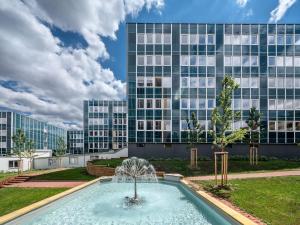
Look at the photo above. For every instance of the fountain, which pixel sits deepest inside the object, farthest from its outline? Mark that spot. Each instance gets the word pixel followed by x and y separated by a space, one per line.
pixel 133 170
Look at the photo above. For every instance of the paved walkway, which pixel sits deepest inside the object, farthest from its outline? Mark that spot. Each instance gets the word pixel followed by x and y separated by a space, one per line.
pixel 48 184
pixel 281 173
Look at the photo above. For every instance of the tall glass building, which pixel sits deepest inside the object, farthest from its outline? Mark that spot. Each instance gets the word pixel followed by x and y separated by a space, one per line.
pixel 43 134
pixel 176 69
pixel 105 125
pixel 75 142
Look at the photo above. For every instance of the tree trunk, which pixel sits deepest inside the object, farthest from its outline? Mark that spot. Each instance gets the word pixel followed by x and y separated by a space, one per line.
pixel 135 192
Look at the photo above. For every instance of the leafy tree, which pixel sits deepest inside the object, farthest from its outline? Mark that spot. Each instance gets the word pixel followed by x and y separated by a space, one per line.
pixel 60 150
pixel 253 123
pixel 223 115
pixel 195 133
pixel 19 140
pixel 29 152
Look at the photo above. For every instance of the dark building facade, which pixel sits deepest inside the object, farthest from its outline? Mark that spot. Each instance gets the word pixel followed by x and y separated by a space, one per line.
pixel 75 142
pixel 105 125
pixel 176 69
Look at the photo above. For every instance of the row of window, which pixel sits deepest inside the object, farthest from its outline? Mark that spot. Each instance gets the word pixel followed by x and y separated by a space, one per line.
pixel 3 145
pixel 241 39
pixel 165 82
pixel 98 145
pixel 284 61
pixel 284 82
pixel 197 39
pixel 75 136
pixel 245 104
pixel 197 60
pixel 119 133
pixel 98 133
pixel 284 39
pixel 150 103
pixel 150 38
pixel 120 121
pixel 241 61
pixel 198 82
pixel 98 121
pixel 284 104
pixel 284 125
pixel 154 60
pixel 3 132
pixel 247 82
pixel 194 103
pixel 160 125
pixel 100 109
pixel 3 120
pixel 119 109
pixel 76 145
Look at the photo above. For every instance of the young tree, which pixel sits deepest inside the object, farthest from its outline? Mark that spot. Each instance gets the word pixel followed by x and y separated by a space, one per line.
pixel 195 133
pixel 221 121
pixel 253 123
pixel 60 150
pixel 29 152
pixel 19 140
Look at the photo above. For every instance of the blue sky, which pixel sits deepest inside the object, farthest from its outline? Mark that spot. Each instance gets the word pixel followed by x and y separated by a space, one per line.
pixel 198 11
pixel 56 53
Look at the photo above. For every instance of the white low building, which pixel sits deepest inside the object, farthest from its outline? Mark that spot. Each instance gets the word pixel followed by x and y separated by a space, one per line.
pixel 11 164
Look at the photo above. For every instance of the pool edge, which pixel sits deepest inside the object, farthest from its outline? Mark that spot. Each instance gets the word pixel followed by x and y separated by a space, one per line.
pixel 20 212
pixel 221 206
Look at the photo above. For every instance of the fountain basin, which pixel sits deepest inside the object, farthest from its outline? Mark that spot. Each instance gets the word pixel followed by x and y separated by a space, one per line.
pixel 103 203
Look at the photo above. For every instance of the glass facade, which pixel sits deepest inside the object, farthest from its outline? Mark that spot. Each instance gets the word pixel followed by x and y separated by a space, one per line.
pixel 176 69
pixel 44 135
pixel 105 125
pixel 75 141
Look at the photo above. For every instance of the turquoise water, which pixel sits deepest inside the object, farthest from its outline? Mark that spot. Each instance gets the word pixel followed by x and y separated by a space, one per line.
pixel 103 204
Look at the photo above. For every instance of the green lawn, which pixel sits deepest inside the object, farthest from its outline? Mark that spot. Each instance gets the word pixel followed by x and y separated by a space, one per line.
pixel 3 176
pixel 206 167
pixel 16 198
pixel 274 200
pixel 69 174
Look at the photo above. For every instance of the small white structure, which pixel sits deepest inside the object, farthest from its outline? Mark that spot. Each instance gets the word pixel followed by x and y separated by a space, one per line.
pixel 70 161
pixel 173 177
pixel 11 164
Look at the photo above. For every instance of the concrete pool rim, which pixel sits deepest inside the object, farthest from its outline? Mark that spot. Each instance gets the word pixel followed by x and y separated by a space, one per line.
pixel 201 194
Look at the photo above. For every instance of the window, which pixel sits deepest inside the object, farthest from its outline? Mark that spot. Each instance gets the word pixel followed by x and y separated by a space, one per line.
pixel 297 82
pixel 184 82
pixel 280 104
pixel 227 39
pixel 280 39
pixel 202 40
pixel 280 61
pixel 158 103
pixel 245 82
pixel 211 60
pixel 246 104
pixel 140 81
pixel 149 104
pixel 193 103
pixel 202 82
pixel 141 125
pixel 236 39
pixel 167 38
pixel 272 61
pixel 158 38
pixel 272 125
pixel 184 60
pixel 289 82
pixel 141 60
pixel 12 164
pixel 149 38
pixel 193 39
pixel 227 61
pixel 297 61
pixel 52 162
pixel 272 104
pixel 184 125
pixel 280 82
pixel 272 82
pixel 297 39
pixel 167 60
pixel 193 60
pixel 166 103
pixel 211 82
pixel 288 61
pixel 184 103
pixel 255 103
pixel 149 82
pixel 254 39
pixel 167 125
pixel 166 82
pixel 184 39
pixel 158 60
pixel 210 39
pixel 210 103
pixel 202 60
pixel 237 104
pixel 193 82
pixel 271 39
pixel 281 125
pixel 254 60
pixel 289 39
pixel 245 40
pixel 158 82
pixel 157 125
pixel 202 104
pixel 297 126
pixel 140 39
pixel 149 125
pixel 254 82
pixel 289 104
pixel 149 60
pixel 246 60
pixel 236 61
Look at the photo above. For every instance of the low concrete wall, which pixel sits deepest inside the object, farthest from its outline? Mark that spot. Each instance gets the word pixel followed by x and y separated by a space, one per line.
pixel 98 170
pixel 288 151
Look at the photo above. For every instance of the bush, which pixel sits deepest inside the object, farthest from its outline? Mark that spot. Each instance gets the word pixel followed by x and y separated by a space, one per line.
pixel 219 190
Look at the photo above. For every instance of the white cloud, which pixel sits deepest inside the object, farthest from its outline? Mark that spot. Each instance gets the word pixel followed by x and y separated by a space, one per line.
pixel 54 75
pixel 241 3
pixel 280 10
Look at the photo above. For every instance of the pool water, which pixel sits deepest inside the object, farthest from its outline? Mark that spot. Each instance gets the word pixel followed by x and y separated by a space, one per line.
pixel 164 203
